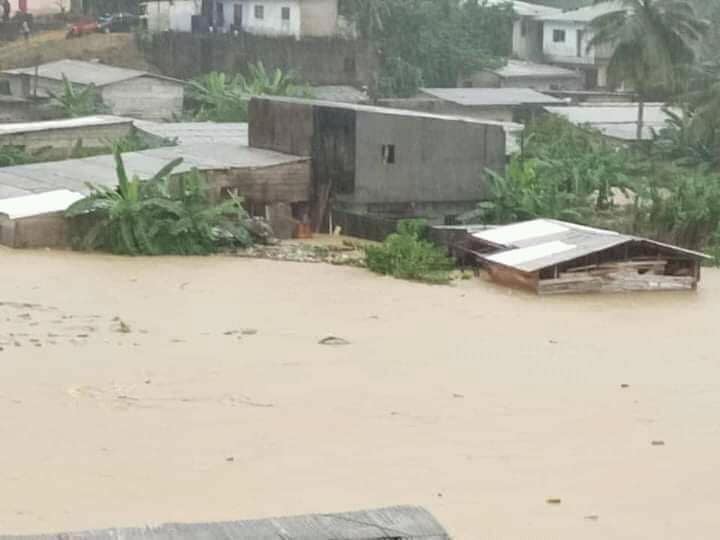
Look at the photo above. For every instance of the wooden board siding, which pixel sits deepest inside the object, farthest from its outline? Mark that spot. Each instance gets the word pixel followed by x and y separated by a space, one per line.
pixel 288 182
pixel 513 278
pixel 617 283
pixel 282 127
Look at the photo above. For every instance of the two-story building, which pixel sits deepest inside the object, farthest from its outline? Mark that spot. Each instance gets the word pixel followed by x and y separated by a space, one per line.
pixel 298 18
pixel 566 37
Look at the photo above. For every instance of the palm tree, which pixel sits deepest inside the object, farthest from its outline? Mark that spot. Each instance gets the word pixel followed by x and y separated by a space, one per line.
pixel 651 40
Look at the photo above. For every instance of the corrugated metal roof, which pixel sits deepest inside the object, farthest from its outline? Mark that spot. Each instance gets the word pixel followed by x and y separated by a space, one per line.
pixel 616 120
pixel 73 174
pixel 519 69
pixel 69 123
pixel 85 73
pixel 339 93
pixel 533 245
pixel 38 204
pixel 584 14
pixel 525 9
pixel 492 97
pixel 197 132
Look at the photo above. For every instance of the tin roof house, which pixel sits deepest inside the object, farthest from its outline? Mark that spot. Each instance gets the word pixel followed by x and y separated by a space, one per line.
pixel 126 92
pixel 555 257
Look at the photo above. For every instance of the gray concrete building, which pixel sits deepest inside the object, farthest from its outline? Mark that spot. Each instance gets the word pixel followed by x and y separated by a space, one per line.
pixel 126 92
pixel 382 161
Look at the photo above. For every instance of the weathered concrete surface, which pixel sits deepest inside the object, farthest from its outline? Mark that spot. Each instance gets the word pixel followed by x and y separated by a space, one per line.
pixel 319 60
pixel 435 159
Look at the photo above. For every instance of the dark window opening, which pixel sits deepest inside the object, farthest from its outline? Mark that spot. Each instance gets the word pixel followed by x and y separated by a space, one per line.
pixel 286 14
pixel 524 27
pixel 559 36
pixel 259 12
pixel 238 16
pixel 388 153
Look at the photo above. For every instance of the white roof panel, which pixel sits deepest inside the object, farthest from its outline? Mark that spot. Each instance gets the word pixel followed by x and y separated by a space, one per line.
pixel 39 204
pixel 68 123
pixel 527 230
pixel 492 97
pixel 524 255
pixel 584 14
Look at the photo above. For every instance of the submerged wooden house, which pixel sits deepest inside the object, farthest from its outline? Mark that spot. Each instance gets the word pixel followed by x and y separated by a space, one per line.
pixel 555 257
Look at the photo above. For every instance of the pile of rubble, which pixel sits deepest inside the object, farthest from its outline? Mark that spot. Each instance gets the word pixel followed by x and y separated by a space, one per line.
pixel 345 253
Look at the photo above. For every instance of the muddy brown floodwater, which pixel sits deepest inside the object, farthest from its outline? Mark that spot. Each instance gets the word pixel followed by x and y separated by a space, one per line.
pixel 126 385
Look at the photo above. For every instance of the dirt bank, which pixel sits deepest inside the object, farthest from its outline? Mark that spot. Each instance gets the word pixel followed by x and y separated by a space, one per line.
pixel 114 49
pixel 127 384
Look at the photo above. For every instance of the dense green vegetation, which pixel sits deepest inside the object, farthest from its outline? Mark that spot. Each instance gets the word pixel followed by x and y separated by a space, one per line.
pixel 158 216
pixel 407 254
pixel 74 102
pixel 653 43
pixel 218 97
pixel 575 174
pixel 430 42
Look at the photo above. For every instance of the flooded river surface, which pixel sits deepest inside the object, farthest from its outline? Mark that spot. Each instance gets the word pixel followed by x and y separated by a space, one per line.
pixel 138 391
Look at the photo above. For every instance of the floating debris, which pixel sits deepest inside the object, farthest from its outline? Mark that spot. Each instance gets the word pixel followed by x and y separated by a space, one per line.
pixel 334 341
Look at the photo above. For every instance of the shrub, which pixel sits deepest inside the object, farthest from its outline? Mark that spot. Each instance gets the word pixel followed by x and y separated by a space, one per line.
pixel 406 254
pixel 74 102
pixel 157 217
pixel 217 97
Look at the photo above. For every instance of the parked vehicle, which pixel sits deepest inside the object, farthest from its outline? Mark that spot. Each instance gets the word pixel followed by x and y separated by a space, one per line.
pixel 118 22
pixel 82 27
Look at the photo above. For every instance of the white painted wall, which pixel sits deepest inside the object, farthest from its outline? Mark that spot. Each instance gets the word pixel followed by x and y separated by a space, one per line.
pixel 567 51
pixel 271 23
pixel 176 16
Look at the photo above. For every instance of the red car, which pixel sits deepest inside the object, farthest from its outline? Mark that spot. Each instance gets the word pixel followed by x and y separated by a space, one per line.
pixel 82 27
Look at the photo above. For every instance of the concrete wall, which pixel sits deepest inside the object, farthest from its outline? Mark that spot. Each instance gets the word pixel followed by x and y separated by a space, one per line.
pixel 92 136
pixel 319 61
pixel 272 22
pixel 286 183
pixel 319 17
pixel 436 160
pixel 567 52
pixel 528 39
pixel 148 98
pixel 40 231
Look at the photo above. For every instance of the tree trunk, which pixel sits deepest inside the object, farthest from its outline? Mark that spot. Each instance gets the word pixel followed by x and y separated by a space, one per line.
pixel 640 117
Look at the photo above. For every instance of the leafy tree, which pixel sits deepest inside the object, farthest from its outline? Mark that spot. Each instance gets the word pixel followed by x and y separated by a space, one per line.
pixel 432 42
pixel 75 102
pixel 218 97
pixel 651 40
pixel 156 216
